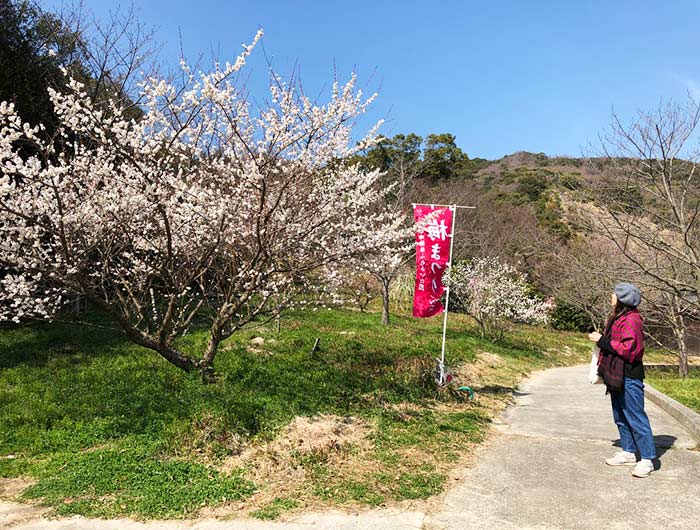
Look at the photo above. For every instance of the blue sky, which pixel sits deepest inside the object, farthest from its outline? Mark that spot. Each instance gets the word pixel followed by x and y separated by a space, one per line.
pixel 502 76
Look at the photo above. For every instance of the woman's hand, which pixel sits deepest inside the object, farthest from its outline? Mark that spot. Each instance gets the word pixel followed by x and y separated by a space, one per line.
pixel 594 337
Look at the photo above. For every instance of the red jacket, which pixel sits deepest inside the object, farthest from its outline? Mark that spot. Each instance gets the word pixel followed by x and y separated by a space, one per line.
pixel 622 349
pixel 626 336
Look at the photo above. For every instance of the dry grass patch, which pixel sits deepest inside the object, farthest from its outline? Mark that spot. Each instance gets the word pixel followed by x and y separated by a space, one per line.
pixel 279 466
pixel 487 369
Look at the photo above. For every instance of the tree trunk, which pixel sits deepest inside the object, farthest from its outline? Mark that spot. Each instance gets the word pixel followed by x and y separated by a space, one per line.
pixel 683 359
pixel 76 307
pixel 141 338
pixel 385 301
pixel 178 359
pixel 681 335
pixel 206 365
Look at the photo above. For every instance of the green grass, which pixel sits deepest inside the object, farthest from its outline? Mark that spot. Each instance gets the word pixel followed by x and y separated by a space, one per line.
pixel 104 428
pixel 275 508
pixel 130 474
pixel 686 391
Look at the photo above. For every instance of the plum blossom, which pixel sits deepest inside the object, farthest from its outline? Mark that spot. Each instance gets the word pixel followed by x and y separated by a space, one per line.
pixel 209 209
pixel 495 293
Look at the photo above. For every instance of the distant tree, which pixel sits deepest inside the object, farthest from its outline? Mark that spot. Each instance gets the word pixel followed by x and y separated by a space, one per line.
pixel 581 275
pixel 358 286
pixel 471 166
pixel 386 263
pixel 38 47
pixel 34 46
pixel 408 156
pixel 532 186
pixel 399 157
pixel 441 157
pixel 404 163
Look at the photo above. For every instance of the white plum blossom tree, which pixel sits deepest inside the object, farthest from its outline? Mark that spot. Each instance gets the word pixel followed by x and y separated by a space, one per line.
pixel 208 211
pixel 386 263
pixel 494 293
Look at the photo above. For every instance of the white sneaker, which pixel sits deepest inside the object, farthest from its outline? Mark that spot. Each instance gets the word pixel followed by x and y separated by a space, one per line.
pixel 622 458
pixel 643 468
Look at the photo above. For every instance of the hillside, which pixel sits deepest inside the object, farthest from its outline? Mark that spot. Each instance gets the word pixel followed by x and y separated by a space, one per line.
pixel 518 201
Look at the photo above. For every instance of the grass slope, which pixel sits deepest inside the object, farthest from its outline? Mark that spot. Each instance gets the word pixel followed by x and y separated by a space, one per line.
pixel 686 391
pixel 101 427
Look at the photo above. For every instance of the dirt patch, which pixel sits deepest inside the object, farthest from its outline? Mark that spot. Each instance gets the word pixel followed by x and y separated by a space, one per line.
pixel 469 374
pixel 276 465
pixel 563 351
pixel 10 488
pixel 477 373
pixel 14 512
pixel 318 435
pixel 489 359
pixel 255 345
pixel 321 435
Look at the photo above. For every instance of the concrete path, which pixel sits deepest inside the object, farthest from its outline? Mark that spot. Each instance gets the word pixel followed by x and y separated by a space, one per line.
pixel 543 471
pixel 546 470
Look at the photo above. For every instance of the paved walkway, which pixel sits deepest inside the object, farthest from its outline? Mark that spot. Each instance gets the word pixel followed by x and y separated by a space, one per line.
pixel 544 471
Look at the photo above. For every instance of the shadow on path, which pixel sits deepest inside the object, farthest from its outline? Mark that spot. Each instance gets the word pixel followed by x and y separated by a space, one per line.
pixel 663 443
pixel 500 389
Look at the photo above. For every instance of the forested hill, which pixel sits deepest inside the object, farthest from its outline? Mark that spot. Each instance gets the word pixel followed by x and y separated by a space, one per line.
pixel 531 180
pixel 524 159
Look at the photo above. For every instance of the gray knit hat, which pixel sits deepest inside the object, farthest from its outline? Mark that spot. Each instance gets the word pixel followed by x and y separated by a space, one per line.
pixel 628 294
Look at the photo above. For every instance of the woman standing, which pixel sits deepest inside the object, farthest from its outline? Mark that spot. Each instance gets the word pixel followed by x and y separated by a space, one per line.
pixel 620 365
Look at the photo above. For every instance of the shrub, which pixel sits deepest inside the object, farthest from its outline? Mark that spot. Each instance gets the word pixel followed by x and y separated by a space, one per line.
pixel 566 317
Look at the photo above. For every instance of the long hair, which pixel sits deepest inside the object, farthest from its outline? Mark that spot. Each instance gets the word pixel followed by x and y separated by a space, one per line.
pixel 619 310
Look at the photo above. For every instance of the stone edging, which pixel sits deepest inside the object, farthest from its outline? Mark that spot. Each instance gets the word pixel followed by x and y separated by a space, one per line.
pixel 688 418
pixel 668 367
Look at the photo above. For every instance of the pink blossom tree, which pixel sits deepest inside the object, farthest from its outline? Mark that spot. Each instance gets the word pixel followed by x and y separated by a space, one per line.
pixel 494 294
pixel 208 211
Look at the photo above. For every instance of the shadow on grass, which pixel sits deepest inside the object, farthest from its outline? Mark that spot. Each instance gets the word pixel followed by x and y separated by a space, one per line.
pixel 497 390
pixel 90 414
pixel 35 343
pixel 73 387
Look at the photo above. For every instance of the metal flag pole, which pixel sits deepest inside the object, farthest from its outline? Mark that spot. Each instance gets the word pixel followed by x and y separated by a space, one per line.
pixel 442 376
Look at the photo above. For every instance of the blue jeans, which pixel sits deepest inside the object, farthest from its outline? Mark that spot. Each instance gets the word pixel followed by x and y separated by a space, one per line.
pixel 632 421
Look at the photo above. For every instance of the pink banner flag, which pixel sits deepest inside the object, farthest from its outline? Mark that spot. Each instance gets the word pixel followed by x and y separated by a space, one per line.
pixel 433 234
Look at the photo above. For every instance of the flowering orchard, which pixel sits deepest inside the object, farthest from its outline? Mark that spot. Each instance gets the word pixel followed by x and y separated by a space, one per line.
pixel 494 294
pixel 209 210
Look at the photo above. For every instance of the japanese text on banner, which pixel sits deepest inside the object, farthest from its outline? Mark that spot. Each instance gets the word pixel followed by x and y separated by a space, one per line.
pixel 433 234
